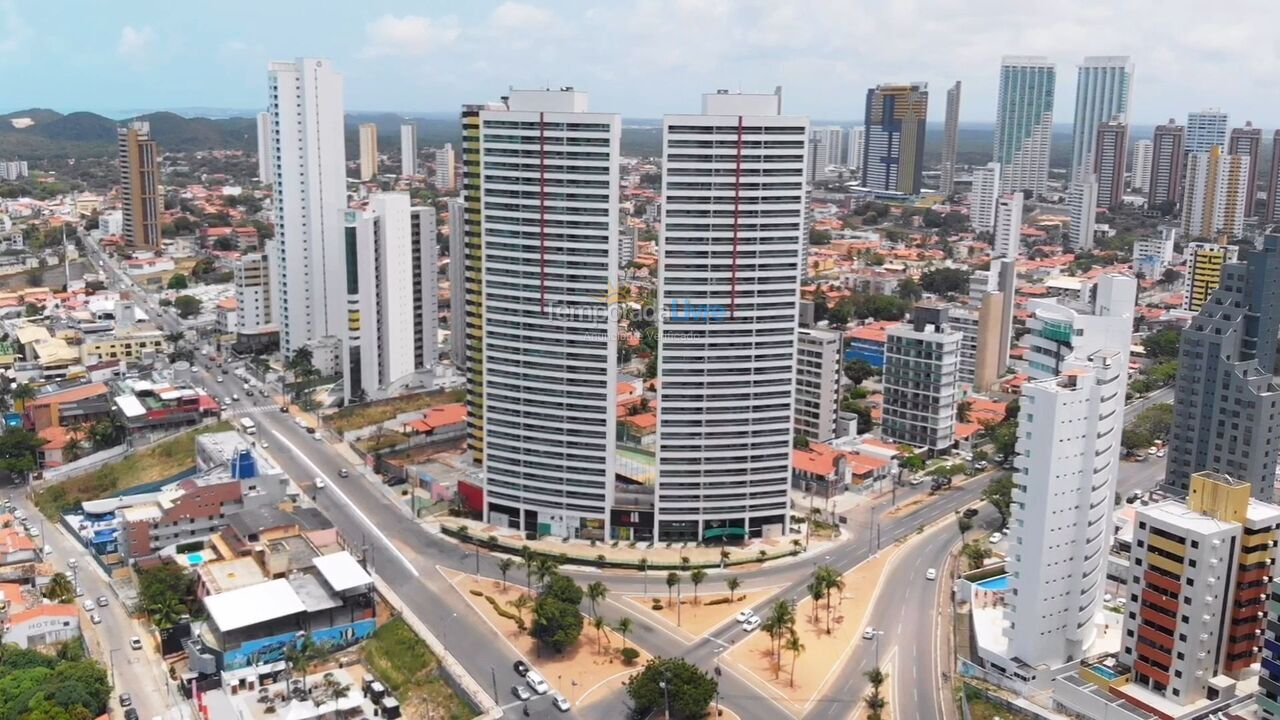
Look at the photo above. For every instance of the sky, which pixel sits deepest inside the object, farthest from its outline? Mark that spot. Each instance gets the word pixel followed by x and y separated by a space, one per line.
pixel 642 58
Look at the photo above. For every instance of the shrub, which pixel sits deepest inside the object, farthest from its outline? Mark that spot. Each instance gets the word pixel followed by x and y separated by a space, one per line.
pixel 502 611
pixel 719 601
pixel 629 655
pixel 477 593
pixel 601 558
pixel 657 605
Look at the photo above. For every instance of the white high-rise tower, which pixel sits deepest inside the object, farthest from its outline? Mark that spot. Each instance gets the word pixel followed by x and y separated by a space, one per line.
pixel 409 149
pixel 731 257
pixel 266 174
pixel 1142 157
pixel 308 151
pixel 982 197
pixel 1103 88
pixel 1024 122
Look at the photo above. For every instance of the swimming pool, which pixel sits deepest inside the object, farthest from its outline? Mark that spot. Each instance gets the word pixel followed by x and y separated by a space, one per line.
pixel 999 582
pixel 194 559
pixel 1104 671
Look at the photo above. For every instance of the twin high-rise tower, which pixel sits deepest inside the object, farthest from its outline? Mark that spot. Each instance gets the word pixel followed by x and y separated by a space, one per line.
pixel 540 194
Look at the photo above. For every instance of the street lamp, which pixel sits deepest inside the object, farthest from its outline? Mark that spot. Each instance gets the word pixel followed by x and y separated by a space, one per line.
pixel 666 700
pixel 876 635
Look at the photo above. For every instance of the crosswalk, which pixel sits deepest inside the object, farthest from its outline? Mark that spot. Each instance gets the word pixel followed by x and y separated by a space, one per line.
pixel 251 410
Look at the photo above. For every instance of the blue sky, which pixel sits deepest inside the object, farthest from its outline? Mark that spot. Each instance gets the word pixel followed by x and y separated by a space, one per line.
pixel 638 57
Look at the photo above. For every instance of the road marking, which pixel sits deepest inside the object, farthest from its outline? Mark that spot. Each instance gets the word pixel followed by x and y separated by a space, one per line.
pixel 331 487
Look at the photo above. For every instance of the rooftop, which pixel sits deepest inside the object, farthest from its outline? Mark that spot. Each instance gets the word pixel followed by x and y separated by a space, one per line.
pixel 342 572
pixel 253 604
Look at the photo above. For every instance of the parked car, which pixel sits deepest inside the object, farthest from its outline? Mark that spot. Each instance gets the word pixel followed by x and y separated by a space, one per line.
pixel 102 601
pixel 537 683
pixel 130 714
pixel 343 472
pixel 95 618
pixel 71 563
pixel 995 537
pixel 521 692
pixel 218 379
pixel 981 465
pixel 125 700
pixel 320 483
pixel 868 633
pixel 87 605
pixel 521 667
pixel 560 702
pixel 969 513
pixel 1160 452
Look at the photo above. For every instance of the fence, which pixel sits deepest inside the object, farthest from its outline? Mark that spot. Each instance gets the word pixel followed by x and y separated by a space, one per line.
pixel 86 464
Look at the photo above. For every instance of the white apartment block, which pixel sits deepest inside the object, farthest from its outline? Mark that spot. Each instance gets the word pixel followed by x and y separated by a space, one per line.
pixel 1215 194
pixel 819 369
pixel 110 222
pixel 1151 256
pixel 1101 319
pixel 13 169
pixel 546 213
pixel 446 169
pixel 1104 85
pixel 982 197
pixel 457 282
pixel 266 175
pixel 1143 155
pixel 921 380
pixel 1006 240
pixel 252 276
pixel 731 256
pixel 824 152
pixel 1206 129
pixel 1082 205
pixel 409 149
pixel 391 294
pixel 857 142
pixel 308 157
pixel 368 151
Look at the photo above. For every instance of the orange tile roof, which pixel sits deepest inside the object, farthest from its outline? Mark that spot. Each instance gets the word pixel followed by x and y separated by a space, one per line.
pixel 57 436
pixel 966 430
pixel 642 421
pixel 874 332
pixel 981 407
pixel 48 610
pixel 11 593
pixel 819 459
pixel 864 464
pixel 14 540
pixel 71 394
pixel 626 388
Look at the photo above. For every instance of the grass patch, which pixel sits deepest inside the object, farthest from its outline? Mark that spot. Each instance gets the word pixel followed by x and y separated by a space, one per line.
pixel 404 663
pixel 157 462
pixel 353 417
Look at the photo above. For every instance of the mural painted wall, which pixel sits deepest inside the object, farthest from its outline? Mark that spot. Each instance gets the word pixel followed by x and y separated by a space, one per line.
pixel 272 649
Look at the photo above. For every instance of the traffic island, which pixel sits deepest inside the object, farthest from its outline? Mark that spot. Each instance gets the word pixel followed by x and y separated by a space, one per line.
pixel 798 680
pixel 589 669
pixel 698 617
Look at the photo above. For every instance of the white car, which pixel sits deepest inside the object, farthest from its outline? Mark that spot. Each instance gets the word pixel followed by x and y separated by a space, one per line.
pixel 745 615
pixel 752 623
pixel 135 642
pixel 95 618
pixel 218 379
pixel 995 538
pixel 320 483
pixel 869 633
pixel 536 683
pixel 1160 452
pixel 931 574
pixel 88 606
pixel 560 702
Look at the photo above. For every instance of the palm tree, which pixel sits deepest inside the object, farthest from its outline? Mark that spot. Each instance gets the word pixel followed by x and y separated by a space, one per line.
pixel 526 556
pixel 643 565
pixel 60 589
pixel 816 590
pixel 599 624
pixel 795 647
pixel 962 410
pixel 697 577
pixel 831 580
pixel 21 394
pixel 784 619
pixel 77 433
pixel 875 701
pixel 300 656
pixel 624 626
pixel 520 604
pixel 504 567
pixel 596 592
pixel 733 583
pixel 673 579
pixel 167 611
pixel 543 568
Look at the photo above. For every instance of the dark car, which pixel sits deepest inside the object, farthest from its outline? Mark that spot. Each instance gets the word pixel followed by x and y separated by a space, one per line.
pixel 969 513
pixel 130 714
pixel 521 667
pixel 125 700
pixel 284 408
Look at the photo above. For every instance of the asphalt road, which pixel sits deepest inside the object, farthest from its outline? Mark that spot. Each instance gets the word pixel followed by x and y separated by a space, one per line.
pixel 132 671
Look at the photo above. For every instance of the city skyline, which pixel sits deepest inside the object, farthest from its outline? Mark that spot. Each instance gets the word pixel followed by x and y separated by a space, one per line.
pixel 406 58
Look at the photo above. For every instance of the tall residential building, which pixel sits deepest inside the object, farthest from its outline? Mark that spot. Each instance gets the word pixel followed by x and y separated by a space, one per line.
pixel 1247 141
pixel 1068 456
pixel 1205 261
pixel 921 380
pixel 1006 237
pixel 266 174
pixel 857 145
pixel 824 152
pixel 1272 214
pixel 409 149
pixel 458 289
pixel 1109 155
pixel 446 169
pixel 368 151
pixel 732 233
pixel 308 150
pixel 1269 676
pixel 1103 88
pixel 1205 129
pixel 140 198
pixel 1212 551
pixel 950 135
pixel 1082 204
pixel 1151 256
pixel 818 374
pixel 251 274
pixel 1142 156
pixel 541 193
pixel 1024 122
pixel 1226 397
pixel 895 121
pixel 985 322
pixel 391 294
pixel 982 197
pixel 1213 201
pixel 1168 158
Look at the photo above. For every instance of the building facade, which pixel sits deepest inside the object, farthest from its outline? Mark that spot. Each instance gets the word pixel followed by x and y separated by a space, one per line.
pixel 1143 153
pixel 1205 129
pixel 252 276
pixel 1272 214
pixel 368 151
pixel 1082 204
pixel 921 380
pixel 950 135
pixel 141 202
pixel 1103 88
pixel 1151 256
pixel 982 197
pixel 857 145
pixel 409 149
pixel 266 176
pixel 824 152
pixel 457 282
pixel 308 154
pixel 731 256
pixel 1247 141
pixel 895 124
pixel 446 169
pixel 1006 237
pixel 1226 395
pixel 818 377
pixel 1168 163
pixel 1024 122
pixel 1205 261
pixel 1213 202
pixel 1109 155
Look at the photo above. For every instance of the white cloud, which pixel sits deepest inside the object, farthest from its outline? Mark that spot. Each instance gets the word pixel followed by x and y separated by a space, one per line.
pixel 135 43
pixel 14 31
pixel 411 35
pixel 521 17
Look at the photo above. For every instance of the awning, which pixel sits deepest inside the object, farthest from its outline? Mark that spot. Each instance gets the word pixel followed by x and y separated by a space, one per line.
pixel 724 532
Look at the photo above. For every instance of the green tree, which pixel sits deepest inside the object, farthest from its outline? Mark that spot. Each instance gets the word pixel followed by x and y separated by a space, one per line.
pixel 733 583
pixel 60 589
pixel 976 554
pixel 596 592
pixel 188 306
pixel 909 290
pixel 504 567
pixel 688 691
pixel 795 647
pixel 177 281
pixel 912 462
pixel 697 577
pixel 599 624
pixel 1003 436
pixel 800 442
pixel 166 592
pixel 945 281
pixel 18 448
pixel 859 371
pixel 557 622
pixel 962 410
pixel 999 493
pixel 1162 345
pixel 624 626
pixel 673 579
pixel 21 394
pixel 876 704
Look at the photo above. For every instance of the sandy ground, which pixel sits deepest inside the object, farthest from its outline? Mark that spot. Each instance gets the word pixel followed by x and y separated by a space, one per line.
pixel 699 619
pixel 582 673
pixel 824 653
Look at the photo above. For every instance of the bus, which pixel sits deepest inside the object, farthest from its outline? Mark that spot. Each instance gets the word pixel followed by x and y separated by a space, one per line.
pixel 248 426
